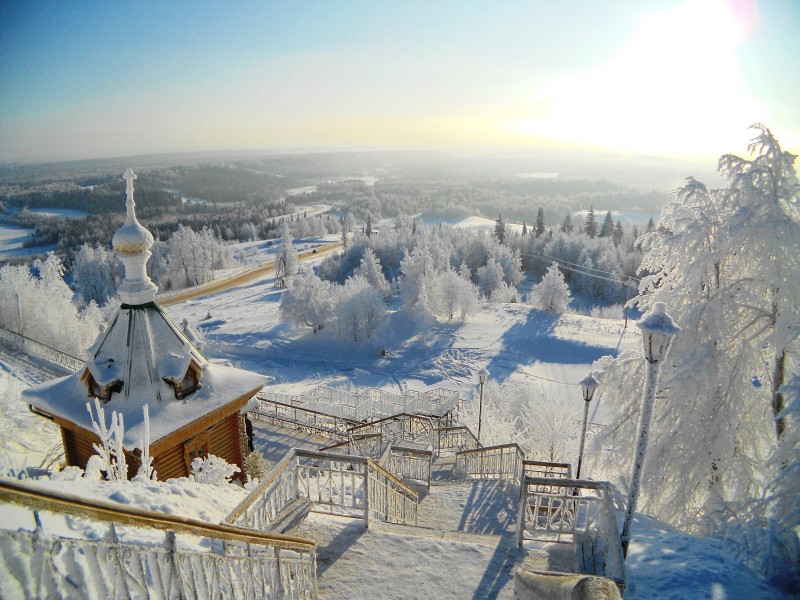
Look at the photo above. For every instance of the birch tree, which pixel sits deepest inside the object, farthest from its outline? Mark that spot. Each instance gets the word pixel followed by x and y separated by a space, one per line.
pixel 726 262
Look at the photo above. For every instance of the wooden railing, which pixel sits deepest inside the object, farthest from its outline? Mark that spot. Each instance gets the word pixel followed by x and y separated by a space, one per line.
pixel 369 445
pixel 455 439
pixel 352 486
pixel 31 346
pixel 326 425
pixel 493 462
pixel 403 426
pixel 367 404
pixel 576 511
pixel 272 495
pixel 409 463
pixel 540 468
pixel 390 499
pixel 235 562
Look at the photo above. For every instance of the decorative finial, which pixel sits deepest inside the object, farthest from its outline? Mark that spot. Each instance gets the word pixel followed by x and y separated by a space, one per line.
pixel 132 243
pixel 129 176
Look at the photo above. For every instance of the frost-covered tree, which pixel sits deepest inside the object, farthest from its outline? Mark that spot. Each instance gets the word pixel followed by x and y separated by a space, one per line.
pixel 192 257
pixel 566 225
pixel 307 302
pixel 286 259
pixel 453 296
pixel 726 263
pixel 359 309
pixel 37 303
pixel 607 228
pixel 552 293
pixel 370 269
pixel 96 272
pixel 500 228
pixel 590 227
pixel 540 222
pixel 490 277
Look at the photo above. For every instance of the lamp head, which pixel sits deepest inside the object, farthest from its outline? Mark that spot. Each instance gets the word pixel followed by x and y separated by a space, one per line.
pixel 658 329
pixel 482 375
pixel 588 386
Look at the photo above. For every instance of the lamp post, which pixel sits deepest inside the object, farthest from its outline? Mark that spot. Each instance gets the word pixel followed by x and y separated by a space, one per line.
pixel 588 386
pixel 482 375
pixel 658 329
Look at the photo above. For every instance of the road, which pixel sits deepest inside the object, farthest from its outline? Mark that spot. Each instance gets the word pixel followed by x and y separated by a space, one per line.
pixel 240 278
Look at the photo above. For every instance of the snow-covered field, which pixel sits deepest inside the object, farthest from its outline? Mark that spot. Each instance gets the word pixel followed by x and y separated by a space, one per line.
pixel 518 346
pixel 12 238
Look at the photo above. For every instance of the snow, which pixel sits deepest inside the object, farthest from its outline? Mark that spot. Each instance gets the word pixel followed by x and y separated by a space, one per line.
pixel 455 555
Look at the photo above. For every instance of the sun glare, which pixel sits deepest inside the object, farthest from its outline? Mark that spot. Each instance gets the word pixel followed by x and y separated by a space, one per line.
pixel 677 81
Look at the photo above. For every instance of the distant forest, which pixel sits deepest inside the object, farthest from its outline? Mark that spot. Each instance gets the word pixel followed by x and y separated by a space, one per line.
pixel 244 199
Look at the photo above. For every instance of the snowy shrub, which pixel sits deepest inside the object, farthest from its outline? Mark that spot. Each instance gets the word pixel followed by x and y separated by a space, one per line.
pixel 110 450
pixel 307 302
pixel 552 293
pixel 504 293
pixel 146 471
pixel 70 473
pixel 94 468
pixel 615 311
pixel 255 465
pixel 212 470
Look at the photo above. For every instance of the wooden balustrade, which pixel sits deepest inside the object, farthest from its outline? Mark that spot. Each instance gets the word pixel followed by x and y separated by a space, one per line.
pixel 576 511
pixel 455 439
pixel 237 562
pixel 492 462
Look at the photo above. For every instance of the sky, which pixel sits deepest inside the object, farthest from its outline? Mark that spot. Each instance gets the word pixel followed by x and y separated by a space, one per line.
pixel 672 78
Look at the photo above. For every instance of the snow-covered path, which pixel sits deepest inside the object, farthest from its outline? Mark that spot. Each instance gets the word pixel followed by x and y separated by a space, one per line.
pixel 391 562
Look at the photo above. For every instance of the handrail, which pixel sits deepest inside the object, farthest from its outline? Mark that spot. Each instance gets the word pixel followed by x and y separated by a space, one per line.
pixel 12 492
pixel 411 491
pixel 459 429
pixel 498 447
pixel 396 417
pixel 259 489
pixel 504 461
pixel 262 397
pixel 550 507
pixel 35 347
pixel 551 469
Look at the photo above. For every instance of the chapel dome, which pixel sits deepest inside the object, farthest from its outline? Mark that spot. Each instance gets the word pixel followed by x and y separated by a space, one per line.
pixel 131 238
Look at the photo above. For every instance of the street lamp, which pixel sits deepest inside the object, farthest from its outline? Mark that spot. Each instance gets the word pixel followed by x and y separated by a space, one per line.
pixel 658 329
pixel 588 386
pixel 482 375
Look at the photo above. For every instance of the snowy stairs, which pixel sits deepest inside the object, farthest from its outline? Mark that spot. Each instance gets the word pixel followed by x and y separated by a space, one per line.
pixel 291 517
pixel 487 507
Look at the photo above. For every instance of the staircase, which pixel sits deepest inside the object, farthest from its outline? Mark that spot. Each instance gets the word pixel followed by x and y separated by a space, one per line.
pixel 461 501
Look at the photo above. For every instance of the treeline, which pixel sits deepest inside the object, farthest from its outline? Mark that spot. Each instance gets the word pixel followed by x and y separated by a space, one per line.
pixel 514 198
pixel 239 222
pixel 95 199
pixel 225 183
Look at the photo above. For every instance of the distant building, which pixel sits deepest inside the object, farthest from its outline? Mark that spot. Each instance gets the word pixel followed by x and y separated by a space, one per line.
pixel 196 408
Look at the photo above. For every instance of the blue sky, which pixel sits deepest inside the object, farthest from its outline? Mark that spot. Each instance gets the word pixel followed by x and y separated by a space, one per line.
pixel 664 77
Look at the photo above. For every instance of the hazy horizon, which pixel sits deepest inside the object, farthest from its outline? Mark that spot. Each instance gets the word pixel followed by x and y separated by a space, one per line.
pixel 672 79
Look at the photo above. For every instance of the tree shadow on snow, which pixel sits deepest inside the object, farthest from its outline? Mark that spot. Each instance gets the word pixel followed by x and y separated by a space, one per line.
pixel 534 340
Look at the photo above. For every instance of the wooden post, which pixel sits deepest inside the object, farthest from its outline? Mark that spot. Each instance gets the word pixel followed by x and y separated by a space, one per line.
pixel 366 495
